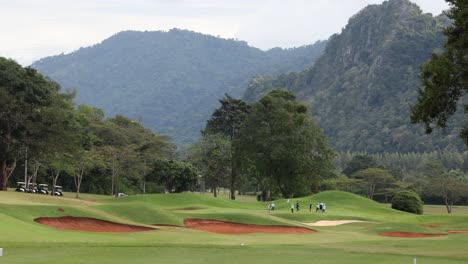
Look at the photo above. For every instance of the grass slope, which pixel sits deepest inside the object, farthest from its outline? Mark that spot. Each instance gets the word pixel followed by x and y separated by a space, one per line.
pixel 352 243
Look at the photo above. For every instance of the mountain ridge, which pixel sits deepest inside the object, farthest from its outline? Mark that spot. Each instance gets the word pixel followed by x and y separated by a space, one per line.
pixel 359 91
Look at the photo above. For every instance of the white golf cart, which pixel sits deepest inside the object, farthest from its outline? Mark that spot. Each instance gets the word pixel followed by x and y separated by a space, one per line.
pixel 43 189
pixel 57 191
pixel 21 187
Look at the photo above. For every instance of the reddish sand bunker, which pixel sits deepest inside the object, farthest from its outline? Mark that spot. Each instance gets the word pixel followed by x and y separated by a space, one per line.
pixel 457 231
pixel 88 224
pixel 409 234
pixel 236 228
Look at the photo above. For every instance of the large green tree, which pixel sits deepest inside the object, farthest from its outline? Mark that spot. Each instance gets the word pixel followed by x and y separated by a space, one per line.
pixel 212 156
pixel 175 175
pixel 280 145
pixel 445 76
pixel 28 102
pixel 227 120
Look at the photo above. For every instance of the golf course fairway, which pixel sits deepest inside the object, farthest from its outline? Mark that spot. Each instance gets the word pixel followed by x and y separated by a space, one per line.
pixel 175 228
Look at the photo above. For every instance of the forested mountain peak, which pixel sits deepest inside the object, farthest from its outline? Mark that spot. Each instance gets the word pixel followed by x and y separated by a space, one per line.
pixel 170 80
pixel 361 89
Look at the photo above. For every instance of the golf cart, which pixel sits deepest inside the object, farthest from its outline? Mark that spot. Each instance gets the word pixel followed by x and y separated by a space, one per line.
pixel 21 187
pixel 57 191
pixel 43 189
pixel 32 188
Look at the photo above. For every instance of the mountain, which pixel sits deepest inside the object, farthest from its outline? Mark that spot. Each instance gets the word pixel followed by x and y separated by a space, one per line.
pixel 170 81
pixel 361 88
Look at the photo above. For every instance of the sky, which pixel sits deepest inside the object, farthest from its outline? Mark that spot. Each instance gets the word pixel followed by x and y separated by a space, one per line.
pixel 32 29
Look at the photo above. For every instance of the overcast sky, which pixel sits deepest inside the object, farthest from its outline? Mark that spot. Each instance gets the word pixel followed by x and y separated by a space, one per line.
pixel 32 29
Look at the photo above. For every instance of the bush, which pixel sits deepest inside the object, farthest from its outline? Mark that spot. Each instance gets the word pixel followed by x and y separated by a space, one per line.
pixel 408 201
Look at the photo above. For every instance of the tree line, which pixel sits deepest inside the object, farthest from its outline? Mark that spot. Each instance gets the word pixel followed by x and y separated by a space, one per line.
pixel 436 177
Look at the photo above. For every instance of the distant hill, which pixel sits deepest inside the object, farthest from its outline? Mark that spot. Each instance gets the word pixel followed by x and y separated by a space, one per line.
pixel 361 89
pixel 171 81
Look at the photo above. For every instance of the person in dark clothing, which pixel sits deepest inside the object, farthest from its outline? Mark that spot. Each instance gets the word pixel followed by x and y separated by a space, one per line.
pixel 310 207
pixel 297 206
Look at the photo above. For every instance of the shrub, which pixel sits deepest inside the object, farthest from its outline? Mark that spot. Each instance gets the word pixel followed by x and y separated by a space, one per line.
pixel 408 201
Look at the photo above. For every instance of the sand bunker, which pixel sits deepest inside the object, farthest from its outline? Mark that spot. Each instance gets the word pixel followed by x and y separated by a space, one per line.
pixel 333 223
pixel 409 234
pixel 236 228
pixel 88 224
pixel 457 231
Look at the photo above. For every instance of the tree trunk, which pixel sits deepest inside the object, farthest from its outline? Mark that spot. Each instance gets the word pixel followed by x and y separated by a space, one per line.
pixel 112 177
pixel 11 169
pixel 448 205
pixel 54 182
pixel 26 180
pixel 37 166
pixel 215 192
pixel 4 175
pixel 233 181
pixel 266 195
pixel 78 177
pixel 371 191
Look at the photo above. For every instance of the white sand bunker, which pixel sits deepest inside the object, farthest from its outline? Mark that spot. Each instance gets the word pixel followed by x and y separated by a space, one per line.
pixel 333 223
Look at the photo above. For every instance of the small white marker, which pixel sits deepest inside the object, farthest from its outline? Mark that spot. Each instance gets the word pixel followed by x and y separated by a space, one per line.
pixel 1 252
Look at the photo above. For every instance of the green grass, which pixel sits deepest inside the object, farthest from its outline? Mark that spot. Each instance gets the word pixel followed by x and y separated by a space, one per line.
pixel 25 241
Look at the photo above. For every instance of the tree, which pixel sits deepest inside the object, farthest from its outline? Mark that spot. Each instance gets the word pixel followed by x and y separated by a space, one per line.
pixel 212 156
pixel 227 120
pixel 25 96
pixel 446 185
pixel 85 161
pixel 87 157
pixel 59 163
pixel 279 144
pixel 129 148
pixel 445 76
pixel 176 176
pixel 373 178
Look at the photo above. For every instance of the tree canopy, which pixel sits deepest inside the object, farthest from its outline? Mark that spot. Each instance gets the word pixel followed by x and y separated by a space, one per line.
pixel 34 117
pixel 445 76
pixel 227 120
pixel 281 147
